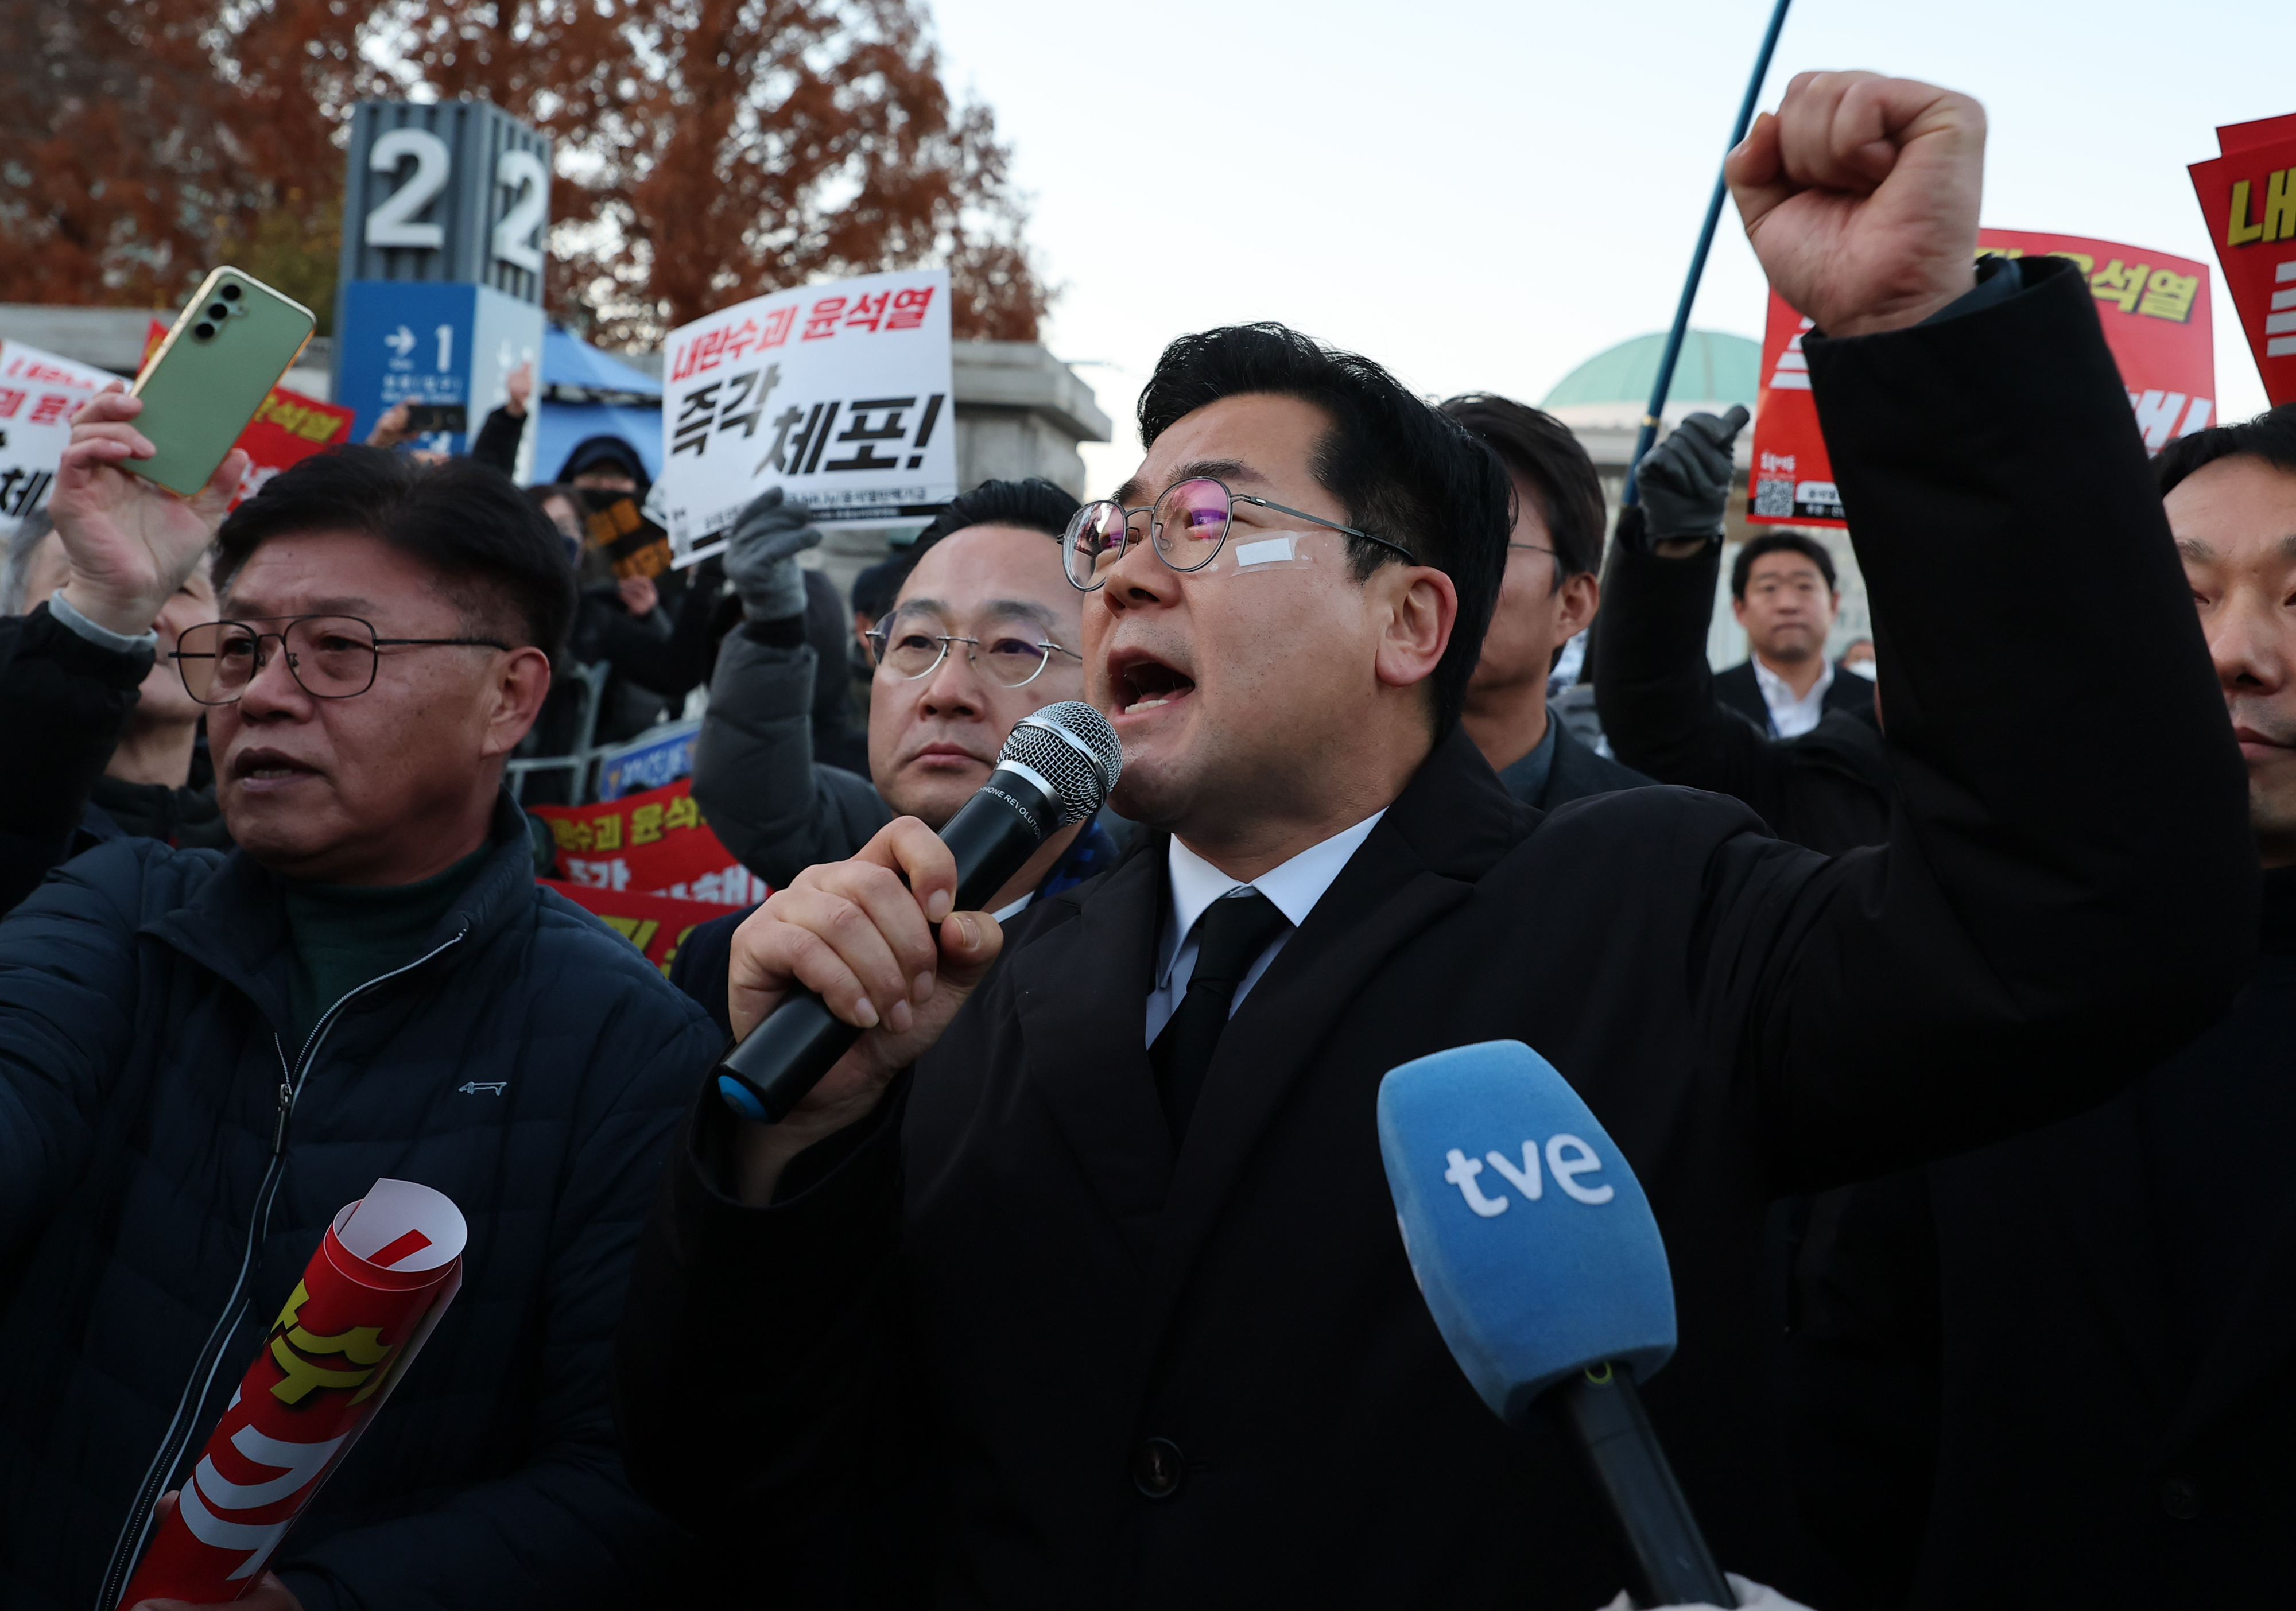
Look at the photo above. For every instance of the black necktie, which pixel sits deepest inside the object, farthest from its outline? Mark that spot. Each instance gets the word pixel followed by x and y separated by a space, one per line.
pixel 1230 936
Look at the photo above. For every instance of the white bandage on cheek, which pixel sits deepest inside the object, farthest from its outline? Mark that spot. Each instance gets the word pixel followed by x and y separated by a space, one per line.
pixel 1273 551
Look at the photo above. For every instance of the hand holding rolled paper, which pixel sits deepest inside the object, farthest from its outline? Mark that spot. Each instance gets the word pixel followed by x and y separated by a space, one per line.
pixel 383 1274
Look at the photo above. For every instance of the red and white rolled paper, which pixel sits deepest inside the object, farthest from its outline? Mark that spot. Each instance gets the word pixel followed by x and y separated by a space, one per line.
pixel 382 1276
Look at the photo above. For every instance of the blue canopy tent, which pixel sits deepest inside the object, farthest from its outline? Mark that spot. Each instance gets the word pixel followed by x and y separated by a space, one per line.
pixel 588 393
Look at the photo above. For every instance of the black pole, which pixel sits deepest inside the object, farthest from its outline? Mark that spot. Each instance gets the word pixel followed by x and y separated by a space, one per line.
pixel 1657 409
pixel 1605 1416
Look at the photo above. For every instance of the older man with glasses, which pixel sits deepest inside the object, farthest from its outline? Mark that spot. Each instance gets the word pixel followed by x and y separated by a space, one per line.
pixel 203 1057
pixel 983 630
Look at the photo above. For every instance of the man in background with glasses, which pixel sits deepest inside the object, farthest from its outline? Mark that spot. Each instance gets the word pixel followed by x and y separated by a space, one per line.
pixel 1548 596
pixel 203 1057
pixel 983 630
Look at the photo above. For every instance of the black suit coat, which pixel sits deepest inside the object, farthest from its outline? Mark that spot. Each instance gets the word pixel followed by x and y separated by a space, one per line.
pixel 2028 1382
pixel 936 1358
pixel 1667 713
pixel 1735 689
pixel 1573 772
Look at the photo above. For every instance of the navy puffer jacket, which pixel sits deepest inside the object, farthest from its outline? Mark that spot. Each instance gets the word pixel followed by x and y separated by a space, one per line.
pixel 168 1166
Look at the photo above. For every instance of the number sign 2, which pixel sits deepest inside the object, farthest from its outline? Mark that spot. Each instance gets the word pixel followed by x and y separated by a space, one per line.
pixel 395 222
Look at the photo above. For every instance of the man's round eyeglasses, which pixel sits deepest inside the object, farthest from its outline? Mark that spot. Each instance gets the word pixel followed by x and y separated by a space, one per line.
pixel 1187 524
pixel 329 656
pixel 909 644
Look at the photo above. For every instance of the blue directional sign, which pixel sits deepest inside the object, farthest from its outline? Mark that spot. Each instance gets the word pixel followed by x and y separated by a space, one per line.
pixel 436 342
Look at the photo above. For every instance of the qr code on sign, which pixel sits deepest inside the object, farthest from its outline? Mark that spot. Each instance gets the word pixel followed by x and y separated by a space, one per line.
pixel 1774 496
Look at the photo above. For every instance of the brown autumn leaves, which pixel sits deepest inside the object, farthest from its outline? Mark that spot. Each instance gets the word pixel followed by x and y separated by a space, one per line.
pixel 709 150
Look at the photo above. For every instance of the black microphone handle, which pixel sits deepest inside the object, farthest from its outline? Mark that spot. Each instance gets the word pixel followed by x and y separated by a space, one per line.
pixel 992 837
pixel 1604 1415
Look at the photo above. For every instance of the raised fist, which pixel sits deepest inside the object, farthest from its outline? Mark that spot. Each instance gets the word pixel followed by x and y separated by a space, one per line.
pixel 1860 196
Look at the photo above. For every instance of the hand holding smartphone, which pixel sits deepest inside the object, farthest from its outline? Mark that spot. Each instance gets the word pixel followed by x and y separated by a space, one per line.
pixel 228 348
pixel 130 543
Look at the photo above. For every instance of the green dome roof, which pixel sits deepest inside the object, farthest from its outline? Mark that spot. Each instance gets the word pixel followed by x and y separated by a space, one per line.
pixel 1713 368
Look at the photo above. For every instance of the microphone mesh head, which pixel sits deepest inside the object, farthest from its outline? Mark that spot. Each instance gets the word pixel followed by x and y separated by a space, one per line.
pixel 1071 746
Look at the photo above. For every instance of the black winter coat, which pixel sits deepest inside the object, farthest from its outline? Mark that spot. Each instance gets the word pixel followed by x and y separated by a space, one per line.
pixel 2062 1371
pixel 962 1324
pixel 530 1066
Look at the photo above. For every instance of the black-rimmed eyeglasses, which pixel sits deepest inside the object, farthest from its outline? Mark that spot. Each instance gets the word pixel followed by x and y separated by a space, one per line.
pixel 911 643
pixel 329 656
pixel 1187 525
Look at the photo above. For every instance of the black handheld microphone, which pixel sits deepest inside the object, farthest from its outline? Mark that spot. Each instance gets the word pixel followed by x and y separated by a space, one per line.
pixel 1057 768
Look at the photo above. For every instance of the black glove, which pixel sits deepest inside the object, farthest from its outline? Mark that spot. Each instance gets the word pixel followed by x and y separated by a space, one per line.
pixel 1684 481
pixel 761 556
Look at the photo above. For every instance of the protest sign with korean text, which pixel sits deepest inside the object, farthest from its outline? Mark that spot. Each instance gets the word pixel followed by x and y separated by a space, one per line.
pixel 656 924
pixel 2155 312
pixel 839 394
pixel 651 843
pixel 39 393
pixel 2248 194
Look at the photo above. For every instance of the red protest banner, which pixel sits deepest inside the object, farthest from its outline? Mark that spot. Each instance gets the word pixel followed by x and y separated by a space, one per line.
pixel 2248 195
pixel 287 428
pixel 656 924
pixel 2155 312
pixel 654 843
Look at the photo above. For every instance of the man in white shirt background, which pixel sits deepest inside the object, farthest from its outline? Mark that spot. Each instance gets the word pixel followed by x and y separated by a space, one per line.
pixel 1783 592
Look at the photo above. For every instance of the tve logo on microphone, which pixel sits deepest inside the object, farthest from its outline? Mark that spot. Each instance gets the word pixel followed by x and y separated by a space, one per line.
pixel 1566 1154
pixel 1532 1239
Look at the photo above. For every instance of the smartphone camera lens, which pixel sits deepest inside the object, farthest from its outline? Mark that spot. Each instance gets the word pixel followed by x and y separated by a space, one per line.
pixel 219 310
pixel 230 292
pixel 203 332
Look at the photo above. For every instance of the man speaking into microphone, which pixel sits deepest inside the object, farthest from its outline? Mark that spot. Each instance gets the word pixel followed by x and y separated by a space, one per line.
pixel 1077 1280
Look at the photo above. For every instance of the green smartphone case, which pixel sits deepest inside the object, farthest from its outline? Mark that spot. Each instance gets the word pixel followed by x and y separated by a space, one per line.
pixel 227 350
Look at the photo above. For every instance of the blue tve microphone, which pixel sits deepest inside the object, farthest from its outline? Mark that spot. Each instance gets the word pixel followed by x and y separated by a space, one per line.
pixel 1539 1257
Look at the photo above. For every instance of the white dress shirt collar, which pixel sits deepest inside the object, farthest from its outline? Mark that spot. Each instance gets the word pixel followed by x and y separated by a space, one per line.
pixel 1791 717
pixel 1294 885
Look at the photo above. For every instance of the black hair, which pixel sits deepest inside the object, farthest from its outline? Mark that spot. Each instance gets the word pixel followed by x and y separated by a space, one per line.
pixel 1540 448
pixel 1035 504
pixel 1780 542
pixel 1400 468
pixel 2270 437
pixel 498 556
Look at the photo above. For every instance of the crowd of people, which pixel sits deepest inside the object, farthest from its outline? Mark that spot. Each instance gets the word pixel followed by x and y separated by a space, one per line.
pixel 1932 992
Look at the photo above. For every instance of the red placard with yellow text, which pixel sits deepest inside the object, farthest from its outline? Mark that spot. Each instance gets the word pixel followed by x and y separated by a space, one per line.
pixel 2155 313
pixel 2248 195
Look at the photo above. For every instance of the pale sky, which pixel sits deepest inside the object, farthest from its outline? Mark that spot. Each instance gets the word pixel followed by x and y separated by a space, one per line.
pixel 1482 195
